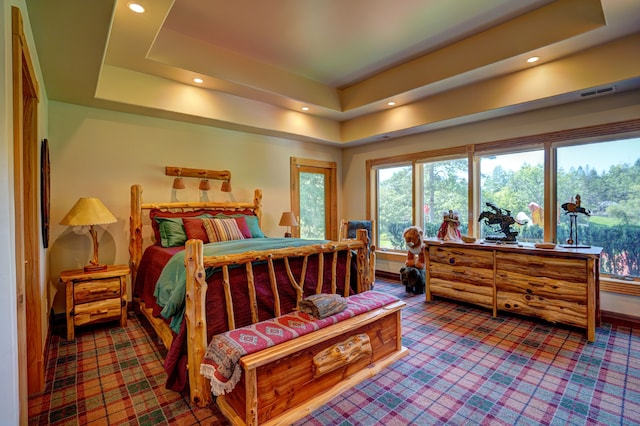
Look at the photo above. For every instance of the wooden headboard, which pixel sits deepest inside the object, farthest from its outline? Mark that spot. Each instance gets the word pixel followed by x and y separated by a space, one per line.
pixel 138 208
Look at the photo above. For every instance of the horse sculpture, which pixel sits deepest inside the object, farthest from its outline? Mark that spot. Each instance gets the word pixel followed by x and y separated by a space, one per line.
pixel 575 207
pixel 502 218
pixel 572 209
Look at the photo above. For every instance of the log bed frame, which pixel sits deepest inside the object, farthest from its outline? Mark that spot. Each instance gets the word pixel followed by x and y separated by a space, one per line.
pixel 196 285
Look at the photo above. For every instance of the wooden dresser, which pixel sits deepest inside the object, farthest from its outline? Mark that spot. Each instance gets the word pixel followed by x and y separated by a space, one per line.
pixel 560 285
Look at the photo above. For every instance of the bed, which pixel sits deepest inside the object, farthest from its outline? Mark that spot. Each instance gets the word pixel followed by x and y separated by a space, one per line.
pixel 240 284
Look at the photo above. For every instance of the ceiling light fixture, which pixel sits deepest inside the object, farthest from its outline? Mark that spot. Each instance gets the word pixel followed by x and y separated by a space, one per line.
pixel 135 7
pixel 391 103
pixel 305 108
pixel 198 80
pixel 533 59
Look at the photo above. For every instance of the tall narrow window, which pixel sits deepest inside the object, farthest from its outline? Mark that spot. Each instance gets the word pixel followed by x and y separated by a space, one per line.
pixel 313 218
pixel 446 187
pixel 313 198
pixel 606 176
pixel 514 184
pixel 394 205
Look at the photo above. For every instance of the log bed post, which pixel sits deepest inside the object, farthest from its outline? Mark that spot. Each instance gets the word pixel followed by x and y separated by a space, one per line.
pixel 364 278
pixel 135 231
pixel 196 322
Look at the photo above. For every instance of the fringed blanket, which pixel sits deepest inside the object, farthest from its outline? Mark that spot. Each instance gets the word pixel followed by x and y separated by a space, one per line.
pixel 220 363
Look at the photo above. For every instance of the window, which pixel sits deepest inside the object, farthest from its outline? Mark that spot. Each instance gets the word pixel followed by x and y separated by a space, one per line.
pixel 313 195
pixel 394 206
pixel 445 187
pixel 514 183
pixel 606 177
pixel 518 176
pixel 312 206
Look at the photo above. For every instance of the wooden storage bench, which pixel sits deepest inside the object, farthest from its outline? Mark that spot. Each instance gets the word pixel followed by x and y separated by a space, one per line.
pixel 285 382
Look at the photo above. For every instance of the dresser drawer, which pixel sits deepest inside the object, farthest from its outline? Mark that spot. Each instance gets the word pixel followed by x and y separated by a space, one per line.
pixel 555 268
pixel 461 257
pixel 87 313
pixel 89 291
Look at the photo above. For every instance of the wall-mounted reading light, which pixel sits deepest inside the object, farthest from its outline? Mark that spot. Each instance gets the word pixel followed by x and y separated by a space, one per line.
pixel 203 175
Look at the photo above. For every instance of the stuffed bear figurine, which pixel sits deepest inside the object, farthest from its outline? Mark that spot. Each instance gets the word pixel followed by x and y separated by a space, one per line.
pixel 413 238
pixel 413 279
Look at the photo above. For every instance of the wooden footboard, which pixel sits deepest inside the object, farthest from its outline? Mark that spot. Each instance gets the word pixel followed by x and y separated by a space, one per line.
pixel 196 289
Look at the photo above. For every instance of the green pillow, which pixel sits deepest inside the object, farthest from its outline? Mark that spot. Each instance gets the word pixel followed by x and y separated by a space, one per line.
pixel 172 233
pixel 252 223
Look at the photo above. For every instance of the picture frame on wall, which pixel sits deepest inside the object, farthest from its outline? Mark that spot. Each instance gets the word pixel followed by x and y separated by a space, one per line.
pixel 45 188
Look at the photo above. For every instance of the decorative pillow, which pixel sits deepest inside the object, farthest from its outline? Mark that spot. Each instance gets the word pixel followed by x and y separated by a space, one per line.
pixel 252 223
pixel 222 229
pixel 254 227
pixel 159 213
pixel 244 226
pixel 171 231
pixel 195 229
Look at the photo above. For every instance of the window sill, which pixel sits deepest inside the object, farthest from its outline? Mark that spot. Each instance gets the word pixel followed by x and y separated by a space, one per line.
pixel 612 285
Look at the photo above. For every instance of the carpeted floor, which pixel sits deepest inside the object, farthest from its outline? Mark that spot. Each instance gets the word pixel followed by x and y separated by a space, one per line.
pixel 464 367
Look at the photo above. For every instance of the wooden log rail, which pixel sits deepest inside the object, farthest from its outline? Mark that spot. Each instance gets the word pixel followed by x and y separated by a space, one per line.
pixel 196 288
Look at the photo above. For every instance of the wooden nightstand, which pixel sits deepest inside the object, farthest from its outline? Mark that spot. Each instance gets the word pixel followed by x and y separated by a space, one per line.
pixel 95 296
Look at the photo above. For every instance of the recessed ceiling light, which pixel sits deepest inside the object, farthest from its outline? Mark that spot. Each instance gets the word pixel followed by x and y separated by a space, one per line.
pixel 305 108
pixel 135 7
pixel 198 80
pixel 533 59
pixel 391 103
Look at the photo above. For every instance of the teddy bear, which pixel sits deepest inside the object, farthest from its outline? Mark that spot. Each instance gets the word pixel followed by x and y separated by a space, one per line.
pixel 413 238
pixel 413 279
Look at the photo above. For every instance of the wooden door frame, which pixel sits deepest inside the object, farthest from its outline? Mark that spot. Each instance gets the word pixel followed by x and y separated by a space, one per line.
pixel 331 195
pixel 27 242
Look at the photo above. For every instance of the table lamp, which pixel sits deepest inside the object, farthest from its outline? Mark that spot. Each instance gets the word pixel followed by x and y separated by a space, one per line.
pixel 89 212
pixel 288 219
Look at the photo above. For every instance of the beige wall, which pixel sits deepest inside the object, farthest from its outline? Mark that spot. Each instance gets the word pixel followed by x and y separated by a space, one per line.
pixel 606 109
pixel 102 153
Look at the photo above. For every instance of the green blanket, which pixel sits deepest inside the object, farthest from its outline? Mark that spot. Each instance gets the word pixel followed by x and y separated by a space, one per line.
pixel 170 289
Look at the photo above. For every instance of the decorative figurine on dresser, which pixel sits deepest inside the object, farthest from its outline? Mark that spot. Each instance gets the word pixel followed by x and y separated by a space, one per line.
pixel 450 228
pixel 501 217
pixel 572 209
pixel 412 275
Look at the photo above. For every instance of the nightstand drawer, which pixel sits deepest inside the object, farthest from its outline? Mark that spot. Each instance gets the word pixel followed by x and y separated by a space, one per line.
pixel 88 291
pixel 97 311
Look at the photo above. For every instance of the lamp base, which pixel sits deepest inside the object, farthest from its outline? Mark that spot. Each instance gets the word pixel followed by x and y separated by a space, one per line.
pixel 94 268
pixel 287 234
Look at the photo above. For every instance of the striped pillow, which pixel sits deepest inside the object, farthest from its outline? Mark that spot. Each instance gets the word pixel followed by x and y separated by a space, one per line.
pixel 222 229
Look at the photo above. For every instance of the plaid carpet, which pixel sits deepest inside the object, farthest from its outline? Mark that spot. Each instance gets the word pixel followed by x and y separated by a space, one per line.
pixel 464 367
